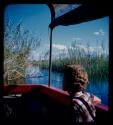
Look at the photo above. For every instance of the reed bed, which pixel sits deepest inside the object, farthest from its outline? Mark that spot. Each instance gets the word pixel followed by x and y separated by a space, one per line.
pixel 96 65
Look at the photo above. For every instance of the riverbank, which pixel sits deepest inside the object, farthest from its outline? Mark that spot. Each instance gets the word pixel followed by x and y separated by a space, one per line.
pixel 96 67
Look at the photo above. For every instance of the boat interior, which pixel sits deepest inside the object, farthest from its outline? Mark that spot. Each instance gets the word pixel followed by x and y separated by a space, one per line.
pixel 41 103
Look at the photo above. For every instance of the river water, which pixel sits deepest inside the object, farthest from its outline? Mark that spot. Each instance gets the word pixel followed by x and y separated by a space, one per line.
pixel 37 76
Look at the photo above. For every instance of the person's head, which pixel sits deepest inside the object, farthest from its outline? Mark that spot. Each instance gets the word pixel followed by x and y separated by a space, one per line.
pixel 75 78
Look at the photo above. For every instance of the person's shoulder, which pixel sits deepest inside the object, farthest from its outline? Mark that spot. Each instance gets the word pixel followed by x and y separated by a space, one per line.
pixel 87 93
pixel 88 96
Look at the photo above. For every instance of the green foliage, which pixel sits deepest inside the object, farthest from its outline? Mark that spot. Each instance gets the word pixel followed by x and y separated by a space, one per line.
pixel 17 47
pixel 96 65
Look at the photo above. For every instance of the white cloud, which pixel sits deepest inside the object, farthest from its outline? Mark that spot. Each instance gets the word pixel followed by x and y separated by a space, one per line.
pixel 96 33
pixel 59 46
pixel 99 32
pixel 79 47
pixel 76 38
pixel 90 49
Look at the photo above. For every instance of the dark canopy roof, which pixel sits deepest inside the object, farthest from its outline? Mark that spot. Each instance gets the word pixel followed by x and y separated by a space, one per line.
pixel 82 13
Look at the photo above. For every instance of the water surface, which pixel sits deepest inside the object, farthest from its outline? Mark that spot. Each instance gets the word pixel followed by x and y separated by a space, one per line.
pixel 37 76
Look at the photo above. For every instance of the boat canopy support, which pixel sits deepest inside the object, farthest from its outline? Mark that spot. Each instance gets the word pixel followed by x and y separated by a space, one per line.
pixel 50 52
pixel 83 13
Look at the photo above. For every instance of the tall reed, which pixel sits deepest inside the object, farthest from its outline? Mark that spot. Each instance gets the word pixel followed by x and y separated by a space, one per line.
pixel 97 65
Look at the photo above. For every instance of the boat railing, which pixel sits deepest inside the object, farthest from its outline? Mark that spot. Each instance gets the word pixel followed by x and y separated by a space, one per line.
pixel 57 94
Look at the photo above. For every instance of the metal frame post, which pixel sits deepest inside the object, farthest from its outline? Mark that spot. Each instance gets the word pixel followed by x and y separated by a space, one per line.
pixel 50 58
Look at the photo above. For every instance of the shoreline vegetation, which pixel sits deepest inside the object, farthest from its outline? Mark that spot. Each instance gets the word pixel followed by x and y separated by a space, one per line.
pixel 18 45
pixel 96 64
pixel 97 68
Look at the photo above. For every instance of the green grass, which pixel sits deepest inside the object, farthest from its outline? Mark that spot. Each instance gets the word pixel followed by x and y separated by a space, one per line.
pixel 97 66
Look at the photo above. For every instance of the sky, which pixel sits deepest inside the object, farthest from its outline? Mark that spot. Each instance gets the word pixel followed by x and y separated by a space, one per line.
pixel 36 18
